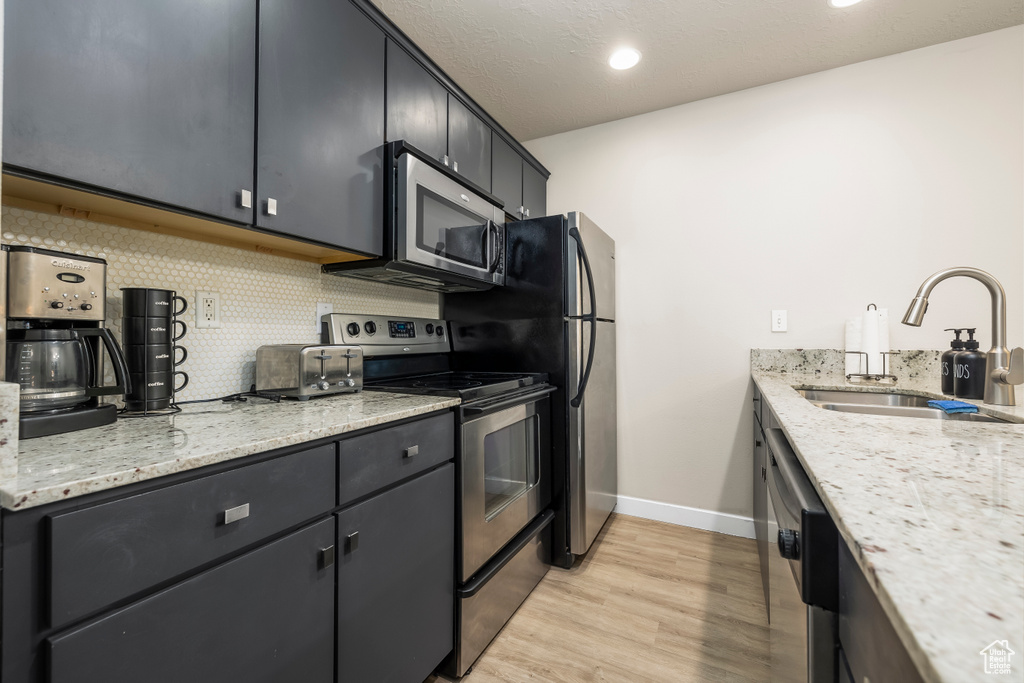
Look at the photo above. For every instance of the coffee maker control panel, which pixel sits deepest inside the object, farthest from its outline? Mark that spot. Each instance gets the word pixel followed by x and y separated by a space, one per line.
pixel 51 285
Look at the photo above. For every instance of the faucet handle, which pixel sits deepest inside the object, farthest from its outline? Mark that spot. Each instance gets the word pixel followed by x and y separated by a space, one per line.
pixel 1014 373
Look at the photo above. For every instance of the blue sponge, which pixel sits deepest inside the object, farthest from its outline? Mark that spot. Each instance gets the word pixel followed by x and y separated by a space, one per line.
pixel 954 406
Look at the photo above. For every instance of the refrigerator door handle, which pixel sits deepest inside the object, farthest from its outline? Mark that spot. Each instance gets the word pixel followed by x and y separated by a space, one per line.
pixel 590 317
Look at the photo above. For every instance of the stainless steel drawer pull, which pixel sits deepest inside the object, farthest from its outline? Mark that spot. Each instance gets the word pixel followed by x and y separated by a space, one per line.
pixel 412 450
pixel 271 207
pixel 353 541
pixel 326 557
pixel 245 199
pixel 236 513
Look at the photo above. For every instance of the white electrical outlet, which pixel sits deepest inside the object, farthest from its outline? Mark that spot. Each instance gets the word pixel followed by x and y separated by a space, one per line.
pixel 322 309
pixel 779 320
pixel 207 310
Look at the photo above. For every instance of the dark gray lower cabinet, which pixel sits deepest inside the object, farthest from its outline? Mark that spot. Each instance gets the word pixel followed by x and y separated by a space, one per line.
pixel 264 617
pixel 321 123
pixel 396 581
pixel 151 99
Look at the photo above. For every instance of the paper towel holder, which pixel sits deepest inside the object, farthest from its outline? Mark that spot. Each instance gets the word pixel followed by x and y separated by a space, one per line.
pixel 872 377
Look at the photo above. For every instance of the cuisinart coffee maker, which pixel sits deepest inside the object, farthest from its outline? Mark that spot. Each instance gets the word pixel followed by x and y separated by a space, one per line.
pixel 56 306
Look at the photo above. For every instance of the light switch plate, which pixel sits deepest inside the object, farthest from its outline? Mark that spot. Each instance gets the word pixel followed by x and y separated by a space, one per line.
pixel 779 322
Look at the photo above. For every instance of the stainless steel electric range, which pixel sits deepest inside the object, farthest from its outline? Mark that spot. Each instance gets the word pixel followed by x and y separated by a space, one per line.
pixel 503 465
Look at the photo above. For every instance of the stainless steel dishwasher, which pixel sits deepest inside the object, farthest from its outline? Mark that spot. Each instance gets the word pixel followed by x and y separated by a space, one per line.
pixel 803 572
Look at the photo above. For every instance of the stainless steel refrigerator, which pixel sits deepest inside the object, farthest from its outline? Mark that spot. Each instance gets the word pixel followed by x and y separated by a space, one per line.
pixel 556 314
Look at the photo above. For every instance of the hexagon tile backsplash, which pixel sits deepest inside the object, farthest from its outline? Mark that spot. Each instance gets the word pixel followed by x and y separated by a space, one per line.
pixel 264 299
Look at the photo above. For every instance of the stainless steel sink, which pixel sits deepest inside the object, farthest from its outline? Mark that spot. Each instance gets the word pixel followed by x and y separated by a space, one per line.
pixel 897 405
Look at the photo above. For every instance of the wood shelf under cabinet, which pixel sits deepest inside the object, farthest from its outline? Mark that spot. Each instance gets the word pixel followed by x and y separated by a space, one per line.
pixel 34 195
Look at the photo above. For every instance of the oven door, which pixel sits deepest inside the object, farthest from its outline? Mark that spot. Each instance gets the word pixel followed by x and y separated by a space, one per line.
pixel 503 472
pixel 443 225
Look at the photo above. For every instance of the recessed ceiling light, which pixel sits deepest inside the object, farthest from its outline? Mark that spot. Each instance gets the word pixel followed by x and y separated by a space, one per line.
pixel 624 58
pixel 839 4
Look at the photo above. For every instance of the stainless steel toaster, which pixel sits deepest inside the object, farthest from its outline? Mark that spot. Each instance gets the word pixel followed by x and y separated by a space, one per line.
pixel 303 370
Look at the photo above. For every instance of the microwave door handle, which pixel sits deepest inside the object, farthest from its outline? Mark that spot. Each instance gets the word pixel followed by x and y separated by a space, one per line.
pixel 589 317
pixel 495 247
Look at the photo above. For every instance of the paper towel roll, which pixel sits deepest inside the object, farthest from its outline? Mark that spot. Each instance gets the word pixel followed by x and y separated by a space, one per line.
pixel 869 342
pixel 883 339
pixel 853 343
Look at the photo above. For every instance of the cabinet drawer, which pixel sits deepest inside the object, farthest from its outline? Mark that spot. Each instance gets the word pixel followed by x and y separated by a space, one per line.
pixel 370 462
pixel 105 553
pixel 264 617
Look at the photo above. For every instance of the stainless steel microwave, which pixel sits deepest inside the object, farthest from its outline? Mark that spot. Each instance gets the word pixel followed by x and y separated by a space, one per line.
pixel 441 233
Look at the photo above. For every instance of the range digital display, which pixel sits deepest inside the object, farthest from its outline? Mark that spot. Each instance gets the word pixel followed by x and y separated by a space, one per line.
pixel 401 329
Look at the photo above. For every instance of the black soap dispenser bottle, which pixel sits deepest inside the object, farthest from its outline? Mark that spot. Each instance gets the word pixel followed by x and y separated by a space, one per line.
pixel 955 346
pixel 969 370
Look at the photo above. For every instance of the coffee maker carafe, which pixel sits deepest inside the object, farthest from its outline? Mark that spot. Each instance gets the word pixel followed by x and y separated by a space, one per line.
pixel 56 307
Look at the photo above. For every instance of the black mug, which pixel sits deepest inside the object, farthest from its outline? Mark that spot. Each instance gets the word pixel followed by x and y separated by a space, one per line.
pixel 152 330
pixel 142 302
pixel 155 386
pixel 145 358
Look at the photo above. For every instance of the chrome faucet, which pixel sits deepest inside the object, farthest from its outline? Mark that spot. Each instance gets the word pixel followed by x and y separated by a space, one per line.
pixel 1002 369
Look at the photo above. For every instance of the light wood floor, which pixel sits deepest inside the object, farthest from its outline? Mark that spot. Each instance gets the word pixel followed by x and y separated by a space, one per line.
pixel 650 602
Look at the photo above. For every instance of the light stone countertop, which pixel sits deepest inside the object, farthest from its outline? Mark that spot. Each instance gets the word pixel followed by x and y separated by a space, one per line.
pixel 933 510
pixel 58 467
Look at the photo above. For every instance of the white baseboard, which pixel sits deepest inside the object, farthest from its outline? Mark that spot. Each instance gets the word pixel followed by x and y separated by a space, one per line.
pixel 723 523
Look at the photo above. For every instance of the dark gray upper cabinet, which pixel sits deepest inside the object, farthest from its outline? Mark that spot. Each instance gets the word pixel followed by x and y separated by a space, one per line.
pixel 264 617
pixel 321 124
pixel 507 175
pixel 417 104
pixel 155 100
pixel 535 191
pixel 469 144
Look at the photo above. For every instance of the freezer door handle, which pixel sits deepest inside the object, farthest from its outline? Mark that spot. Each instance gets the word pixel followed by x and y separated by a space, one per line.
pixel 590 317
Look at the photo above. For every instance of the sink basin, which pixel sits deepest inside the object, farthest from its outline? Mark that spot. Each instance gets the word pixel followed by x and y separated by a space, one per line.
pixel 862 398
pixel 897 405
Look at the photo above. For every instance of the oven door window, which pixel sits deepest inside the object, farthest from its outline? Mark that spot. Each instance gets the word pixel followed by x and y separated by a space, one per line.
pixel 450 231
pixel 510 465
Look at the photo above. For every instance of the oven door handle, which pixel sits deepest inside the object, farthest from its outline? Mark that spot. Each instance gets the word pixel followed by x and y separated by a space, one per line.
pixel 478 581
pixel 518 400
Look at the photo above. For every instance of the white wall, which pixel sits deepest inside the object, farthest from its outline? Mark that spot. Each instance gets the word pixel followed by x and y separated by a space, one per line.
pixel 818 195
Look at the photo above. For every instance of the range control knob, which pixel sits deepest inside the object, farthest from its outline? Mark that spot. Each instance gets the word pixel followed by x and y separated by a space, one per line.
pixel 86 307
pixel 57 304
pixel 323 386
pixel 789 544
pixel 370 327
pixel 353 329
pixel 350 382
pixel 440 331
pixel 430 329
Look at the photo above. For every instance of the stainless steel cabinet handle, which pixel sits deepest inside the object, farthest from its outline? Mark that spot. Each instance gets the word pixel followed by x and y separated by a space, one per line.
pixel 236 513
pixel 326 558
pixel 444 160
pixel 245 199
pixel 412 450
pixel 455 166
pixel 271 206
pixel 522 212
pixel 527 213
pixel 352 541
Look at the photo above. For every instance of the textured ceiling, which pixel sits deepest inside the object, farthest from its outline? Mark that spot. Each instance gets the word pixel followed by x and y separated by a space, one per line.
pixel 541 66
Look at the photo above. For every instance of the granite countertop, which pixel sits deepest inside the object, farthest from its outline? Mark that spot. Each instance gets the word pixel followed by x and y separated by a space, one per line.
pixel 57 467
pixel 933 510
